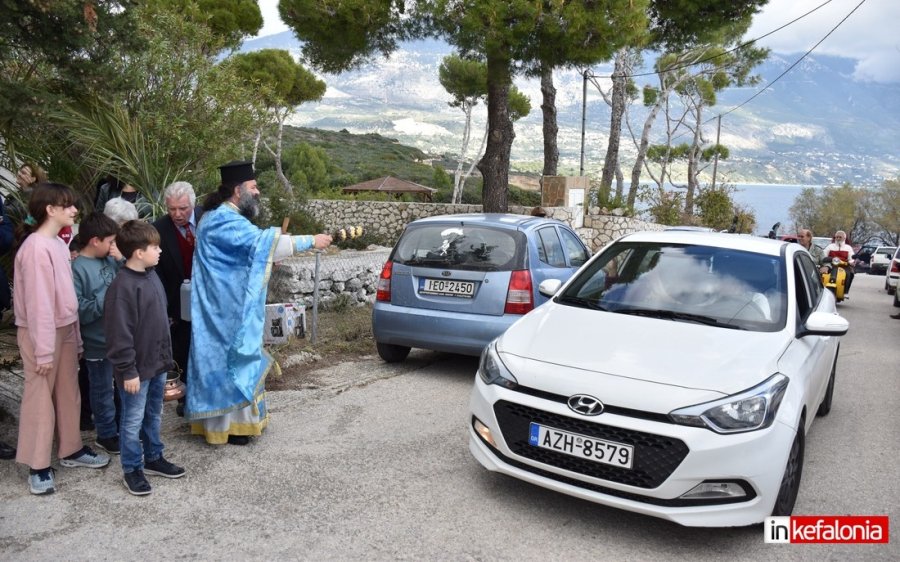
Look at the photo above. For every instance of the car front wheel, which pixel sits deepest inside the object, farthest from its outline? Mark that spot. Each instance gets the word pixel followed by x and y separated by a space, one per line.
pixel 825 406
pixel 391 353
pixel 790 482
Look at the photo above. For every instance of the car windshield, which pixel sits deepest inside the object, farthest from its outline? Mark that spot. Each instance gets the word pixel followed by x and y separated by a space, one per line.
pixel 461 246
pixel 701 284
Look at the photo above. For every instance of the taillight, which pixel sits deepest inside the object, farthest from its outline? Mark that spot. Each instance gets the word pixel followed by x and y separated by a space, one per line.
pixel 895 266
pixel 383 292
pixel 519 298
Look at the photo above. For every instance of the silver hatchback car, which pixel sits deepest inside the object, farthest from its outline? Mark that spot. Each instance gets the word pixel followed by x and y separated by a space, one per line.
pixel 455 282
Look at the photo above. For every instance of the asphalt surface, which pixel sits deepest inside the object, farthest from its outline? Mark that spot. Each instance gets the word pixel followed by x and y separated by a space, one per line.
pixel 374 464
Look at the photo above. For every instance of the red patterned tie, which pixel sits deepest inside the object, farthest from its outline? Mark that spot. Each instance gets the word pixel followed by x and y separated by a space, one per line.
pixel 188 235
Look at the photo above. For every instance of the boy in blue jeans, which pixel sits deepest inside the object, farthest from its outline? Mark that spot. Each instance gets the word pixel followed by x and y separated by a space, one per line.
pixel 140 349
pixel 93 271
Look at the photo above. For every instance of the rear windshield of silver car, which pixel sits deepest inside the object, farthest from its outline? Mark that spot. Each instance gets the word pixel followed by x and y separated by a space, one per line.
pixel 716 286
pixel 461 246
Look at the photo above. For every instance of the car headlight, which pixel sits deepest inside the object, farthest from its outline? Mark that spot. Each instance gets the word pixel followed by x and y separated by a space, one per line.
pixel 749 410
pixel 492 370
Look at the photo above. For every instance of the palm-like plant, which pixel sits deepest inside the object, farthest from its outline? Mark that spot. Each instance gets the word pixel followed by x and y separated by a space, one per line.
pixel 110 141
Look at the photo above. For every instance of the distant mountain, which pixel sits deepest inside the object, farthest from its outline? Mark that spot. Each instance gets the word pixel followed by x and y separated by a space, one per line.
pixel 813 126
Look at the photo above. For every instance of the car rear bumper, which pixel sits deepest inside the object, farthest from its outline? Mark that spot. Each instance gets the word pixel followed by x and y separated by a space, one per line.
pixel 710 457
pixel 437 330
pixel 891 279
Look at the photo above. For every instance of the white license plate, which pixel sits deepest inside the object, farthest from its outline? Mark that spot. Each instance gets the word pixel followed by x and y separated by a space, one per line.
pixel 446 287
pixel 581 446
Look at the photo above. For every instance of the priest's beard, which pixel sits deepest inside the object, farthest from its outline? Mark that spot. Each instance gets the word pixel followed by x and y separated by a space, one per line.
pixel 248 204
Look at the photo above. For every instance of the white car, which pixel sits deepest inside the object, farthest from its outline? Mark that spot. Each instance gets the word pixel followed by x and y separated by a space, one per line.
pixel 676 374
pixel 892 276
pixel 881 259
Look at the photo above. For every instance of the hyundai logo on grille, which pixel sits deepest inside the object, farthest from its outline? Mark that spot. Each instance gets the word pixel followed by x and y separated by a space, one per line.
pixel 584 404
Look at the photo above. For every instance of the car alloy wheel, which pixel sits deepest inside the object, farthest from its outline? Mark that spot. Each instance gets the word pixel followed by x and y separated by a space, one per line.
pixel 790 482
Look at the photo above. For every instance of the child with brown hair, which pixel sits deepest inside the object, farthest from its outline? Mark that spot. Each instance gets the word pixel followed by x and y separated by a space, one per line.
pixel 49 341
pixel 94 270
pixel 140 349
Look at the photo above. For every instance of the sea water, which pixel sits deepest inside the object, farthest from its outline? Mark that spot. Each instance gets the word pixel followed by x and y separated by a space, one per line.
pixel 771 203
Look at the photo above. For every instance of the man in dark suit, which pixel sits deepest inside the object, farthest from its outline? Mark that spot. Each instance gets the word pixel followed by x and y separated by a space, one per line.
pixel 176 233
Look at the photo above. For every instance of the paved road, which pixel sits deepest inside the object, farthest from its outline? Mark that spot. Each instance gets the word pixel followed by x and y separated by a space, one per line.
pixel 375 465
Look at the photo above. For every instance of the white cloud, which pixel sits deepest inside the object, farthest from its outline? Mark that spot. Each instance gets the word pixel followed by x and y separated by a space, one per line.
pixel 869 35
pixel 272 23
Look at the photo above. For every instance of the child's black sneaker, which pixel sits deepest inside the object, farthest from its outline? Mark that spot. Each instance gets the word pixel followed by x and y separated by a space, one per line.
pixel 162 467
pixel 109 444
pixel 136 483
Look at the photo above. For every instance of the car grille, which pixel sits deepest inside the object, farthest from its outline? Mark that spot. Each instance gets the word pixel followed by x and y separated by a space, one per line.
pixel 655 456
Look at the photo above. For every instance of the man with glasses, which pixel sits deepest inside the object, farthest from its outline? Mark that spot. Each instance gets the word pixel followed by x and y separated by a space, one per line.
pixel 840 248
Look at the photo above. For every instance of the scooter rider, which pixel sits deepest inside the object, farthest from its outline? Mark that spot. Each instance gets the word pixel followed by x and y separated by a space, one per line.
pixel 840 245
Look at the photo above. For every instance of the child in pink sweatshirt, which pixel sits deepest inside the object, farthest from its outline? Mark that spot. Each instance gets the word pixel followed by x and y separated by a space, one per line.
pixel 49 341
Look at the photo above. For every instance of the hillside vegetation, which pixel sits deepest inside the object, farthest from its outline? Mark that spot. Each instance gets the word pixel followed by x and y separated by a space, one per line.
pixel 320 162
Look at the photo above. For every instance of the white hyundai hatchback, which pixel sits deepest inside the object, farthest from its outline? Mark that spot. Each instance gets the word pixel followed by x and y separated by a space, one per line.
pixel 676 374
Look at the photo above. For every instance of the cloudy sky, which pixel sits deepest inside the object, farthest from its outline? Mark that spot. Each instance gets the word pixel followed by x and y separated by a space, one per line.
pixel 869 35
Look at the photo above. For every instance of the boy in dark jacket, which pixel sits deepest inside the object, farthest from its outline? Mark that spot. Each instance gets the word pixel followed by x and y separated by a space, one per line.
pixel 140 348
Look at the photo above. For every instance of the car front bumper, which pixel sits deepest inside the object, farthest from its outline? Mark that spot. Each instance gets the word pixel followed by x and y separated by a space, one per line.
pixel 756 459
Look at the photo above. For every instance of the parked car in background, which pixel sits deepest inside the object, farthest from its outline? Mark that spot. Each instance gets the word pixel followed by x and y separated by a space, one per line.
pixel 863 257
pixel 676 374
pixel 892 275
pixel 881 259
pixel 821 241
pixel 455 282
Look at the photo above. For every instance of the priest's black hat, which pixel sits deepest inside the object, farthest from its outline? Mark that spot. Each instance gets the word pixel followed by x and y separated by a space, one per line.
pixel 237 172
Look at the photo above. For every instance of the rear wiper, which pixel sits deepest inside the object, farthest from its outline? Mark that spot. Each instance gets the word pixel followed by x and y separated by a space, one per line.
pixel 582 302
pixel 681 316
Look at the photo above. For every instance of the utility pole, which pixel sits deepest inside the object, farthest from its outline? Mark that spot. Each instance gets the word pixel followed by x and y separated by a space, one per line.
pixel 583 116
pixel 716 156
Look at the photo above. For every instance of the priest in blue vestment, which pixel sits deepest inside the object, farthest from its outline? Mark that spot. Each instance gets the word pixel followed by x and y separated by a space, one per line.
pixel 233 258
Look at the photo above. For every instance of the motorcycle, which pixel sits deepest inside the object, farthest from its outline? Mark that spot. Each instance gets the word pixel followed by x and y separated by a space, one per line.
pixel 835 279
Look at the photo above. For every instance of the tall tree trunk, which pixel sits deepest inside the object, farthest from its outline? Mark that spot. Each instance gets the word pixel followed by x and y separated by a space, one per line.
pixel 276 154
pixel 693 163
pixel 551 128
pixel 494 165
pixel 615 125
pixel 642 153
pixel 256 145
pixel 474 160
pixel 458 177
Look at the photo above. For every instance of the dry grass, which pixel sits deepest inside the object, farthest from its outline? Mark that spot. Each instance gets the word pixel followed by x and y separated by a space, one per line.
pixel 344 333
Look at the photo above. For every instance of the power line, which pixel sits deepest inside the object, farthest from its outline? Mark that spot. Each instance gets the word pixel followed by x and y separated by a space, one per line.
pixel 712 57
pixel 788 69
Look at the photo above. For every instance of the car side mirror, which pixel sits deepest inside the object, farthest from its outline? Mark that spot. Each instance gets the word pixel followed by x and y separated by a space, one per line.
pixel 549 287
pixel 824 324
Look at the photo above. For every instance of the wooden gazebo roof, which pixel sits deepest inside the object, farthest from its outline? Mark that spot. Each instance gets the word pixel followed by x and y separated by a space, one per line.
pixel 390 184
